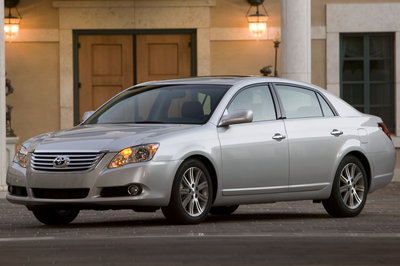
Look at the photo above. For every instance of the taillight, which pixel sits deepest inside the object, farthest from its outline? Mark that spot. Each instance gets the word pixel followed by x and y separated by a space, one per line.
pixel 384 129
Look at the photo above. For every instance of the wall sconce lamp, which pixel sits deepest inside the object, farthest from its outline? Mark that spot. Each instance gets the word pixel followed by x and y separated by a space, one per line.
pixel 257 21
pixel 11 22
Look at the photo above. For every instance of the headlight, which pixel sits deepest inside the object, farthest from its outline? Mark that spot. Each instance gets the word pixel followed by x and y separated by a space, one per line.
pixel 136 154
pixel 21 156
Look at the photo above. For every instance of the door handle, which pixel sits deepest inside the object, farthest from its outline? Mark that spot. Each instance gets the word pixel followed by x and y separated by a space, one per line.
pixel 336 133
pixel 278 137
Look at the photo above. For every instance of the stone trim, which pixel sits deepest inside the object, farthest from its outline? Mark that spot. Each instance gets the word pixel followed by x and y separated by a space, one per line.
pixel 216 34
pixel 3 160
pixel 10 148
pixel 318 32
pixel 155 3
pixel 366 17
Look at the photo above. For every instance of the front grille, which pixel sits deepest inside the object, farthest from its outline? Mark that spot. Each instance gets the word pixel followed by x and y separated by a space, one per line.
pixel 41 161
pixel 71 193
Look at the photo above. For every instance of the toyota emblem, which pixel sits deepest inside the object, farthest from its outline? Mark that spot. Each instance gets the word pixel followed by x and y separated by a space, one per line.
pixel 61 162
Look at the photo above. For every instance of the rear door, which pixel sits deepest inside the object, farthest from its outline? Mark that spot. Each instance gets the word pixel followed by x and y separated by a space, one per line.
pixel 253 161
pixel 315 136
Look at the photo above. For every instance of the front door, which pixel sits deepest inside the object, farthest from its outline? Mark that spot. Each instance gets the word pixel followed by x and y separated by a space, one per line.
pixel 255 155
pixel 105 68
pixel 107 63
pixel 163 57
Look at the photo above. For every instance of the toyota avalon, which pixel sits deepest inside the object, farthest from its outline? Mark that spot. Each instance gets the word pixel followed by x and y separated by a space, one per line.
pixel 196 146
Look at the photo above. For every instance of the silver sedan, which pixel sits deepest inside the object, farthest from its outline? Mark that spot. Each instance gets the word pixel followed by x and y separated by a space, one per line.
pixel 206 145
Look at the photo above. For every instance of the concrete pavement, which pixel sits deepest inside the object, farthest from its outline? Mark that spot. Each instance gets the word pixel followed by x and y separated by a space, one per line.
pixel 288 233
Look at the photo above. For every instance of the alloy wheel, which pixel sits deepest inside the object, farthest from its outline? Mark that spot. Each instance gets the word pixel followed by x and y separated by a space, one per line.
pixel 352 186
pixel 194 191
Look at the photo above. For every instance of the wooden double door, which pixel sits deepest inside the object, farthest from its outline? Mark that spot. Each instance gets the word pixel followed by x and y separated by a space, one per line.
pixel 109 64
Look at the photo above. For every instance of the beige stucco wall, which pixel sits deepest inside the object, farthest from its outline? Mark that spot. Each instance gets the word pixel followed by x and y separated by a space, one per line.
pixel 34 72
pixel 231 13
pixel 318 63
pixel 33 68
pixel 241 57
pixel 38 14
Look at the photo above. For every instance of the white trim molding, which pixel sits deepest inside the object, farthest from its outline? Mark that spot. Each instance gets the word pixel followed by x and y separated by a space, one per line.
pixel 318 32
pixel 243 34
pixel 3 160
pixel 216 34
pixel 367 17
pixel 134 3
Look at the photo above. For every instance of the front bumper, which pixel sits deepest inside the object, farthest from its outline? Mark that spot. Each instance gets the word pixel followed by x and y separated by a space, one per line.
pixel 154 178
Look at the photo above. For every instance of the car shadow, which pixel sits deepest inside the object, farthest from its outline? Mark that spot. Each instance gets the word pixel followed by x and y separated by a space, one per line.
pixel 211 219
pixel 269 216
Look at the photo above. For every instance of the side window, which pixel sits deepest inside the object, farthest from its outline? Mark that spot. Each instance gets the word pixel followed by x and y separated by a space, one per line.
pixel 298 102
pixel 325 107
pixel 258 99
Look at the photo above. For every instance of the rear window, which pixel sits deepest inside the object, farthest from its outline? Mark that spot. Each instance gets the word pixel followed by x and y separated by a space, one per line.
pixel 298 102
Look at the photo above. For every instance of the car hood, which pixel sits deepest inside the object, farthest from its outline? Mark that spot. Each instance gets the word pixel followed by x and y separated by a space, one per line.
pixel 106 137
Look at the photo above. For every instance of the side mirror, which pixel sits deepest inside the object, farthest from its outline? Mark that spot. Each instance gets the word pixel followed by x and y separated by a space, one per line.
pixel 86 115
pixel 236 117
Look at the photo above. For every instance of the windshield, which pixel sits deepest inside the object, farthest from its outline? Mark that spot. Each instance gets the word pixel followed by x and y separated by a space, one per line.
pixel 173 104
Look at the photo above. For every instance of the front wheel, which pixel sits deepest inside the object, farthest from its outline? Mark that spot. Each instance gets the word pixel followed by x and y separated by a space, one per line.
pixel 55 216
pixel 191 195
pixel 349 190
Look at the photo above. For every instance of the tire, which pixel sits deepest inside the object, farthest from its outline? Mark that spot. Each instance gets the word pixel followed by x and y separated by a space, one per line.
pixel 349 190
pixel 224 210
pixel 55 216
pixel 191 195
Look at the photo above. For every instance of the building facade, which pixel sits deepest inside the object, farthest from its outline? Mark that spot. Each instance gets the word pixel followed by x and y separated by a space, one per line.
pixel 70 56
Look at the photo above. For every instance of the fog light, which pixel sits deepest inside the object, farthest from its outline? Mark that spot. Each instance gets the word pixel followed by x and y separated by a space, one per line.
pixel 134 190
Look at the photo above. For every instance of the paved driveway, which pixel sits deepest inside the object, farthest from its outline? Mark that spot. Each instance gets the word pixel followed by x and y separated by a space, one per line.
pixel 293 233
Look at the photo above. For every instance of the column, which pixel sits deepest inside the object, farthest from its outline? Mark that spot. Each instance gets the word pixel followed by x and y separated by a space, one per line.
pixel 3 166
pixel 296 39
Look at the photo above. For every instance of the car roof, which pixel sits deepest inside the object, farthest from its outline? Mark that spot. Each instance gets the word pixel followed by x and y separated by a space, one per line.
pixel 223 80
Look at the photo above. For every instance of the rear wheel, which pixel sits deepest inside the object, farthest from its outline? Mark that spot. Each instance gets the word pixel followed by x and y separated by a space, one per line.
pixel 224 210
pixel 349 191
pixel 55 216
pixel 191 195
